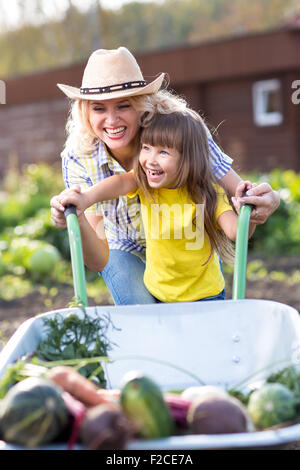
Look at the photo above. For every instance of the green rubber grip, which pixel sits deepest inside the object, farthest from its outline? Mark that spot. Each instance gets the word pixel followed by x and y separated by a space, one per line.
pixel 241 253
pixel 78 269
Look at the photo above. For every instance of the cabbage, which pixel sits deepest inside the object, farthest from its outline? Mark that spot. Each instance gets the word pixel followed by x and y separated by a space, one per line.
pixel 43 260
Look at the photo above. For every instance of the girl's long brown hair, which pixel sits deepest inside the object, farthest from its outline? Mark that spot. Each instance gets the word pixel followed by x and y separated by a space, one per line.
pixel 186 132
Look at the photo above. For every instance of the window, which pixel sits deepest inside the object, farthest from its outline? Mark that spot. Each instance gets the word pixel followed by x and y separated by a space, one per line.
pixel 267 103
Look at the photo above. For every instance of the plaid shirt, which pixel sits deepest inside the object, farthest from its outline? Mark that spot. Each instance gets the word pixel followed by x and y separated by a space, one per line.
pixel 122 219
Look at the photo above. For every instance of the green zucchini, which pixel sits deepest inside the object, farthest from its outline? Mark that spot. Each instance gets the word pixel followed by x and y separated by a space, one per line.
pixel 144 404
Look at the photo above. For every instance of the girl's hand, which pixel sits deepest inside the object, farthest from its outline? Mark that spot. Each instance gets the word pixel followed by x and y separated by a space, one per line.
pixel 76 197
pixel 58 208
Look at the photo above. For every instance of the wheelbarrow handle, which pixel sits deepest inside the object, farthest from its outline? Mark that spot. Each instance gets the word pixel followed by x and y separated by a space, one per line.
pixel 241 252
pixel 77 263
pixel 69 209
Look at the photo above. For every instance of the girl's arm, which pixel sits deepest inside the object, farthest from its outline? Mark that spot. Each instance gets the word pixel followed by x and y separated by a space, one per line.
pixel 109 188
pixel 228 223
pixel 94 243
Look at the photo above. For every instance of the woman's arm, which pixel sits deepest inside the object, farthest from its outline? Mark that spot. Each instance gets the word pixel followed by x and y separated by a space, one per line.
pixel 262 196
pixel 228 221
pixel 94 244
pixel 230 181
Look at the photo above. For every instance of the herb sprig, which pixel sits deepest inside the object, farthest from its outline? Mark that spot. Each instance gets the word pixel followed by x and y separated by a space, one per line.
pixel 77 336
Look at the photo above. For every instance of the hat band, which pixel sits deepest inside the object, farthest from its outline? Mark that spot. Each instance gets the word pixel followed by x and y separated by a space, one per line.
pixel 110 89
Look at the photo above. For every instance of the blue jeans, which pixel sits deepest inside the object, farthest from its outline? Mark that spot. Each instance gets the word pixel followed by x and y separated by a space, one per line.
pixel 123 276
pixel 220 296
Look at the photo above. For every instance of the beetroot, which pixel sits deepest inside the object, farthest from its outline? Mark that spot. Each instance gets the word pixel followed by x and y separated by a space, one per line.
pixel 217 414
pixel 105 427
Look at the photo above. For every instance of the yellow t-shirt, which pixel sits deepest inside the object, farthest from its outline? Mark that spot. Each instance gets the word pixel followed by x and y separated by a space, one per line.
pixel 176 251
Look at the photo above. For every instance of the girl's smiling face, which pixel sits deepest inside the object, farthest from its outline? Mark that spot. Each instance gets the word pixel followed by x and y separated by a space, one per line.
pixel 115 122
pixel 160 165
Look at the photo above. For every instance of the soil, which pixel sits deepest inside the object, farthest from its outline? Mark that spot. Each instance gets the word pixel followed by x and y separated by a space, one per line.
pixel 15 312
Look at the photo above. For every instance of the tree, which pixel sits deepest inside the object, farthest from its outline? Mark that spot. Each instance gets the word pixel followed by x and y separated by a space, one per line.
pixel 51 38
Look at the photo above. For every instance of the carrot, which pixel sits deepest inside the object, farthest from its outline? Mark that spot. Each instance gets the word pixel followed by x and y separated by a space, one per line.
pixel 77 385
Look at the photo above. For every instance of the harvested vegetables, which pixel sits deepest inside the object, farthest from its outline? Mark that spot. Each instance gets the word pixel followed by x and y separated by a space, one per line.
pixel 33 413
pixel 216 413
pixel 73 336
pixel 144 404
pixel 191 393
pixel 71 356
pixel 272 404
pixel 105 427
pixel 77 385
pixel 101 419
pixel 13 374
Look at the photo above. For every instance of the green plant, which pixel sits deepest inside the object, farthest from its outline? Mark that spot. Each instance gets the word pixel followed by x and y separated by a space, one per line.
pixel 281 233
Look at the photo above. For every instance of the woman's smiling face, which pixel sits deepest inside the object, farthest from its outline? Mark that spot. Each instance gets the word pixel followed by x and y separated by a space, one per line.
pixel 115 122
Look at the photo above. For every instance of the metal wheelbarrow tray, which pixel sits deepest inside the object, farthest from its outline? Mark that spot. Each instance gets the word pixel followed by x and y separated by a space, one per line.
pixel 220 342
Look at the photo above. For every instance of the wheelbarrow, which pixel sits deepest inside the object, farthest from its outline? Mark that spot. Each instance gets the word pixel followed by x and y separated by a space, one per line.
pixel 181 344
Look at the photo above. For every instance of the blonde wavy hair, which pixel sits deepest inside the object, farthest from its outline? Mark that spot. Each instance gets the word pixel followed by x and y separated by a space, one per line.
pixel 80 135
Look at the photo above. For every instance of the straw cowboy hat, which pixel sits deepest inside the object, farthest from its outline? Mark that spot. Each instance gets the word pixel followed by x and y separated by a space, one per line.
pixel 111 74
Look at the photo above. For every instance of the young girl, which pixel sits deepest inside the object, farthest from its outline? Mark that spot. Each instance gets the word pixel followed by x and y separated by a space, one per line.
pixel 187 219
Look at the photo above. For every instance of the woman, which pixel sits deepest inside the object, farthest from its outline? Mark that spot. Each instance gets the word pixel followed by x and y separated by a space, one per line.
pixel 103 139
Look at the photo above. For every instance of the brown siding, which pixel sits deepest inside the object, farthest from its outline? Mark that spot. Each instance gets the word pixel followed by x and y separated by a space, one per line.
pixel 261 53
pixel 41 86
pixel 35 132
pixel 227 107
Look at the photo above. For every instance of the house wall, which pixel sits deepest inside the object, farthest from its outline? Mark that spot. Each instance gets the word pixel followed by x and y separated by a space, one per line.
pixel 227 108
pixel 229 105
pixel 35 132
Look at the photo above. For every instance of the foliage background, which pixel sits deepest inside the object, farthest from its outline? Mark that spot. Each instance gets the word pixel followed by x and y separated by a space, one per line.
pixel 67 33
pixel 25 220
